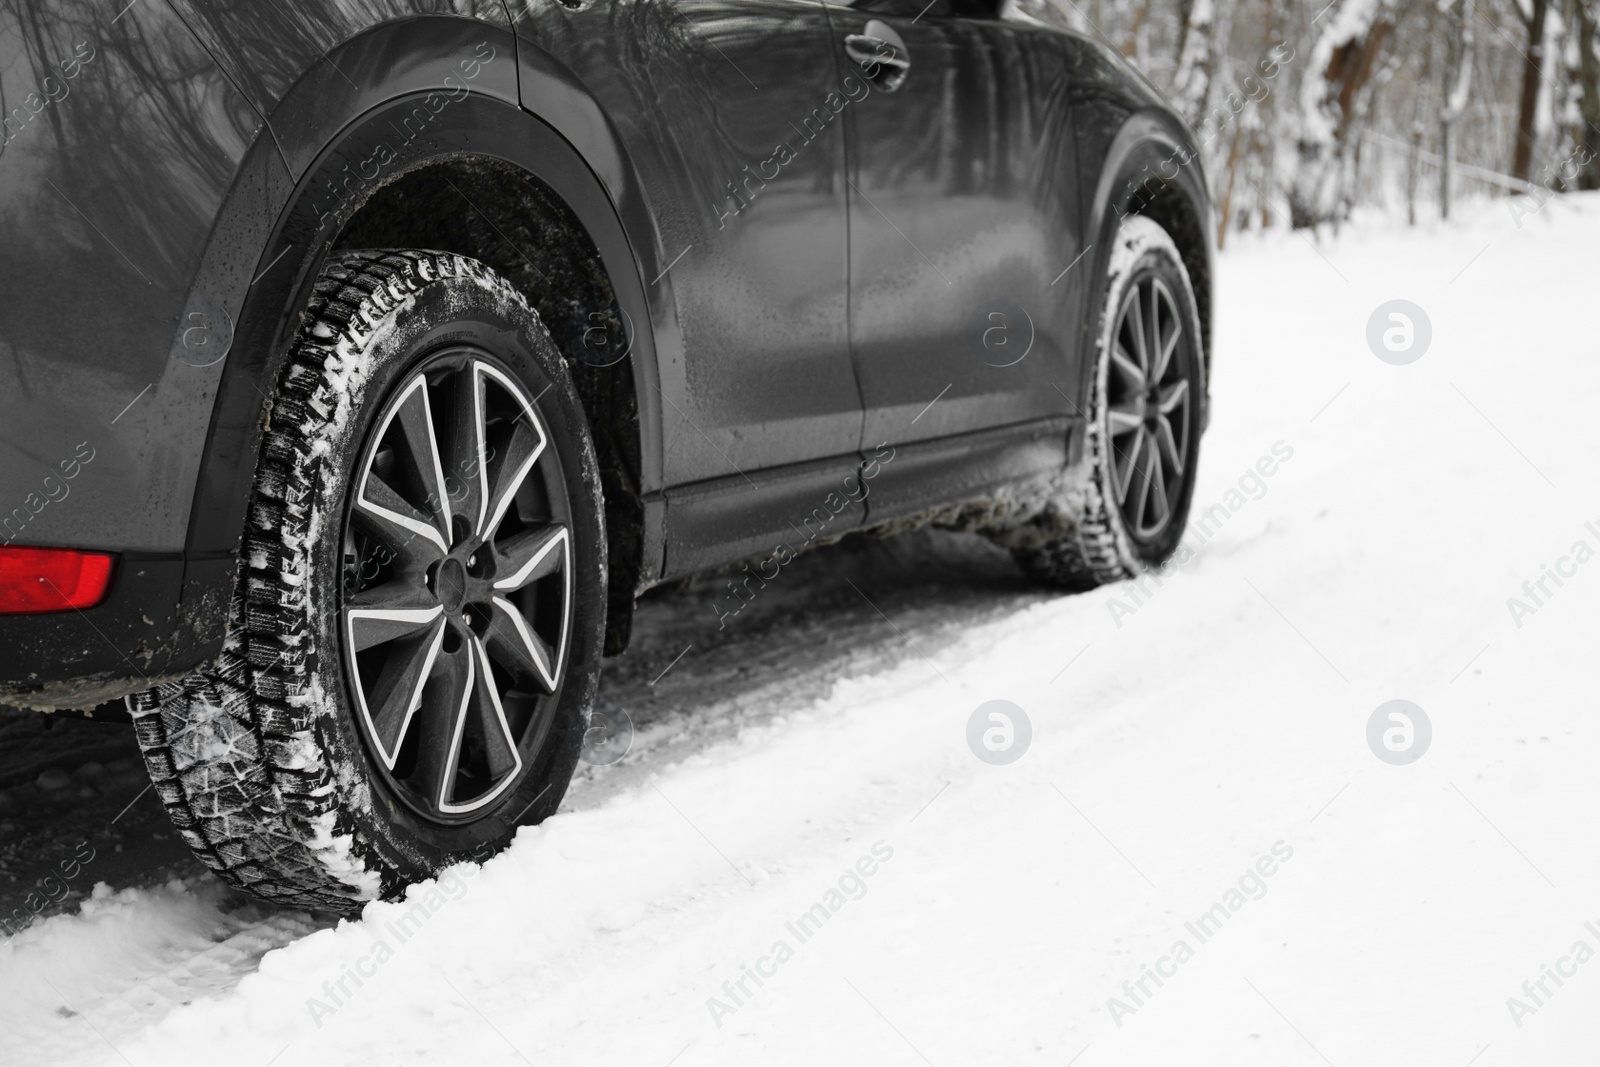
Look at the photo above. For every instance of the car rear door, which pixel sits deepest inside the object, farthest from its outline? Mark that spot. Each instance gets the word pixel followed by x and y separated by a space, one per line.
pixel 728 111
pixel 963 216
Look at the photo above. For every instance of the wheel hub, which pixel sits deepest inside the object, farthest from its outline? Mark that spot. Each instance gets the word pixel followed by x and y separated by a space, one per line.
pixel 450 585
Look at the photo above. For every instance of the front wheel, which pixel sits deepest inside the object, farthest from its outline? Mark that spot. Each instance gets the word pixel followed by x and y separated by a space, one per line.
pixel 1145 416
pixel 416 635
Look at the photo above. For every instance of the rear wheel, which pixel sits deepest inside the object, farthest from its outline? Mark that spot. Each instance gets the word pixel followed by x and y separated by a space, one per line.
pixel 1145 414
pixel 416 635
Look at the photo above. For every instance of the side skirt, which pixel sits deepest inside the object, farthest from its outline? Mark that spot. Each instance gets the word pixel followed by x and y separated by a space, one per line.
pixel 964 480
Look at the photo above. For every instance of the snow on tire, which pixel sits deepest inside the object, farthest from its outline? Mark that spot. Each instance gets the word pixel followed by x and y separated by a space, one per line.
pixel 1130 501
pixel 285 764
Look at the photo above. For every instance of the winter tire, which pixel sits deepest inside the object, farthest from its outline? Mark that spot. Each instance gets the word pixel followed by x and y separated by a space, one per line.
pixel 416 633
pixel 1146 410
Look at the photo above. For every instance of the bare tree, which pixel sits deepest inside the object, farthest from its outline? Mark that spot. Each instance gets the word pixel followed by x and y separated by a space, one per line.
pixel 1587 137
pixel 1533 20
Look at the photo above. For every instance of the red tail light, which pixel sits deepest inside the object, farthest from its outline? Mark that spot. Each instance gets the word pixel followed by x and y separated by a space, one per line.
pixel 38 580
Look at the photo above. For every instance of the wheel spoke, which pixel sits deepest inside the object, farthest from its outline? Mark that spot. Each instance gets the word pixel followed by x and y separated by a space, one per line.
pixel 1169 445
pixel 466 447
pixel 1122 422
pixel 387 612
pixel 500 748
pixel 396 595
pixel 440 718
pixel 1142 504
pixel 1166 347
pixel 415 419
pixel 1174 395
pixel 1130 465
pixel 1173 398
pixel 530 555
pixel 1153 361
pixel 387 518
pixel 1158 485
pixel 1131 373
pixel 522 451
pixel 397 693
pixel 512 643
pixel 1135 322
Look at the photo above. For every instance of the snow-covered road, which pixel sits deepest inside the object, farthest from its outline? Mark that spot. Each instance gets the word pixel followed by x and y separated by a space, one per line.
pixel 1198 859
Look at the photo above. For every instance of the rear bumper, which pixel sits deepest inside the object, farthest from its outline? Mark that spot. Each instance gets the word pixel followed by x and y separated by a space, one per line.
pixel 153 625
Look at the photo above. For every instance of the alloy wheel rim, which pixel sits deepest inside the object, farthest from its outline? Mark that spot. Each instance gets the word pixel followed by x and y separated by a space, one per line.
pixel 1149 408
pixel 456 586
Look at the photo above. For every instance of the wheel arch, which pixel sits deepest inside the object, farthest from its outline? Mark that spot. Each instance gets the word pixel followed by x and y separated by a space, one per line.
pixel 1151 167
pixel 406 151
pixel 509 219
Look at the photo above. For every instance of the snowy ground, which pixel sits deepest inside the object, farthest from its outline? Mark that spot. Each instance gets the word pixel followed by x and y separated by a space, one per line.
pixel 1186 742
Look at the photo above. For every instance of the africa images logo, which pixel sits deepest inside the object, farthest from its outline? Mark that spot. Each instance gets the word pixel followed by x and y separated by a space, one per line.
pixel 850 885
pixel 1251 885
pixel 1537 592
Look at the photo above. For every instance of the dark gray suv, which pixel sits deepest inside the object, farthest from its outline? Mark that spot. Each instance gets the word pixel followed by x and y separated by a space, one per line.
pixel 362 360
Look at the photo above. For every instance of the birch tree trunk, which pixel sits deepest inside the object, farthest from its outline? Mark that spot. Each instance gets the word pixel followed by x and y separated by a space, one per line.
pixel 1458 86
pixel 1341 64
pixel 1202 49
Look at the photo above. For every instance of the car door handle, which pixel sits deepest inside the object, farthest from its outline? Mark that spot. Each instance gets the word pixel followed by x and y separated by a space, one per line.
pixel 881 55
